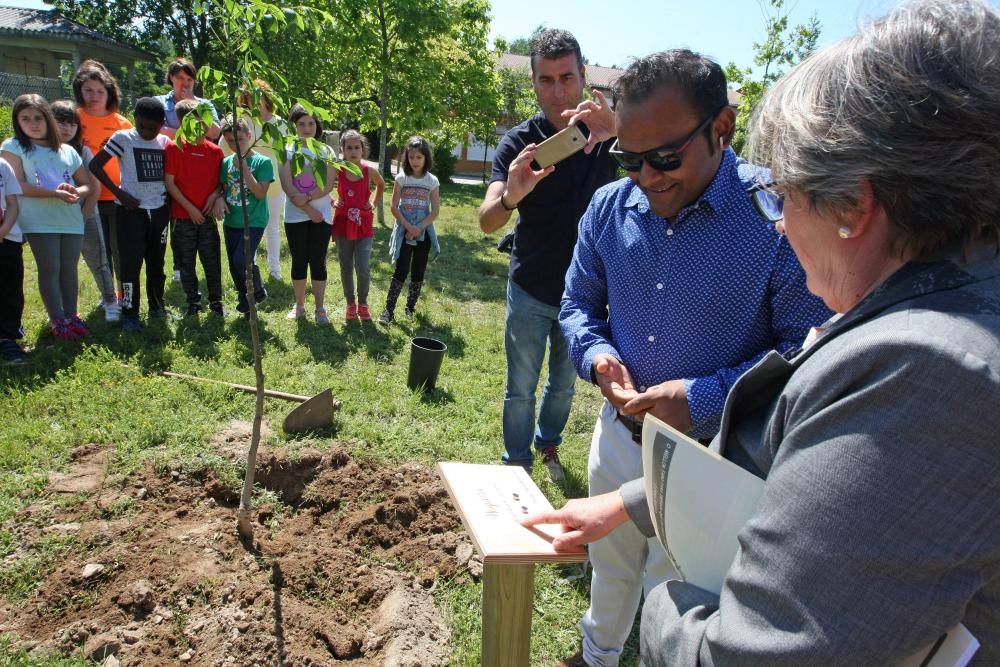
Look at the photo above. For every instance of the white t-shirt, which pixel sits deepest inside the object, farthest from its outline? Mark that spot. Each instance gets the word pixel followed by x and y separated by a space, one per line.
pixel 415 195
pixel 9 186
pixel 306 182
pixel 141 164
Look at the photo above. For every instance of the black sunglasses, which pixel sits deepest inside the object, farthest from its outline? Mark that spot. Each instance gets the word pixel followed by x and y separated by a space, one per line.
pixel 769 204
pixel 665 158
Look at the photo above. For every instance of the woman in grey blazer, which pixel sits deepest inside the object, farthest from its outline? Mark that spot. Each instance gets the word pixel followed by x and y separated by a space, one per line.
pixel 879 526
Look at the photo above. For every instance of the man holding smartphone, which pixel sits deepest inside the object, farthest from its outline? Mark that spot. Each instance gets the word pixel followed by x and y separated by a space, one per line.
pixel 549 203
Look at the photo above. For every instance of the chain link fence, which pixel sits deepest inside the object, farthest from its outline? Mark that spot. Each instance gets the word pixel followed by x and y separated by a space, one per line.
pixel 12 85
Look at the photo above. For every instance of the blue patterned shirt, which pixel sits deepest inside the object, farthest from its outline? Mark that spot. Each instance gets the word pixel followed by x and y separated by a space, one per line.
pixel 700 299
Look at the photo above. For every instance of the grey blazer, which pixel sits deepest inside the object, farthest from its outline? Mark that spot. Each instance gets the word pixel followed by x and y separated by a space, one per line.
pixel 879 527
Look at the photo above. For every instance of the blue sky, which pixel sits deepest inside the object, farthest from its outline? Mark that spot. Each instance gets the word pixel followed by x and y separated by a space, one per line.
pixel 724 29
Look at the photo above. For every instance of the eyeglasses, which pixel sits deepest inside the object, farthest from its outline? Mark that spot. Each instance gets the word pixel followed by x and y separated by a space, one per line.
pixel 768 203
pixel 664 158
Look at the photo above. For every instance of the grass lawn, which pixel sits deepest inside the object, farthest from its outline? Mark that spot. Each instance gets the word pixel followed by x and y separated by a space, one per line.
pixel 106 391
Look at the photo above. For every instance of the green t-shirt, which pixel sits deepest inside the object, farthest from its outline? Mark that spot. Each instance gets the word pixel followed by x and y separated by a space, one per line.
pixel 229 176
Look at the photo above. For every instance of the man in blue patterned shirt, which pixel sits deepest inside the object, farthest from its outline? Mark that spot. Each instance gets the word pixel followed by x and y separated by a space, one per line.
pixel 677 286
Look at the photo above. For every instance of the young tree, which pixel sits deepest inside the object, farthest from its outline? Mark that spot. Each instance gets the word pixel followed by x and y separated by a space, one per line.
pixel 241 25
pixel 782 47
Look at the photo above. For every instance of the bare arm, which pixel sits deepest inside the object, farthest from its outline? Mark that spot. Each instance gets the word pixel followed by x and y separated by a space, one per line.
pixel 435 210
pixel 503 197
pixel 97 169
pixel 9 216
pixel 379 187
pixel 85 186
pixel 492 215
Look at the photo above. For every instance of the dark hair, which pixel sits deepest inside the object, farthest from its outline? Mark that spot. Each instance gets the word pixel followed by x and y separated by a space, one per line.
pixel 347 135
pixel 150 108
pixel 65 111
pixel 184 107
pixel 180 65
pixel 33 101
pixel 554 44
pixel 92 70
pixel 298 111
pixel 417 143
pixel 699 79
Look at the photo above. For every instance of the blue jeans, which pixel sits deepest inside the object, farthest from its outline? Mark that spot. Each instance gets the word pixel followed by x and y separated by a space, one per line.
pixel 237 264
pixel 530 323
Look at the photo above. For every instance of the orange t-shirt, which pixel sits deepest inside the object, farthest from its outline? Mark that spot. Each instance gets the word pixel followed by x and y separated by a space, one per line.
pixel 95 132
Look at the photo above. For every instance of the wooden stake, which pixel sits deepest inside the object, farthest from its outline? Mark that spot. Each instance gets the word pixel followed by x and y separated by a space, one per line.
pixel 508 593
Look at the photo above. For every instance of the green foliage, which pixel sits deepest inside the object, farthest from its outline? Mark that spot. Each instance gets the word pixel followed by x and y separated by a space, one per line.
pixel 6 128
pixel 783 47
pixel 399 66
pixel 522 45
pixel 444 158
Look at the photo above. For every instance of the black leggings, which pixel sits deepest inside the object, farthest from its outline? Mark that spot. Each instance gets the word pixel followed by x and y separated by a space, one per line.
pixel 418 254
pixel 307 244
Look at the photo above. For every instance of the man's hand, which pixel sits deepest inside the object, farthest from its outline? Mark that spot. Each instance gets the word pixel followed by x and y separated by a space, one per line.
pixel 599 117
pixel 666 401
pixel 521 178
pixel 584 520
pixel 614 380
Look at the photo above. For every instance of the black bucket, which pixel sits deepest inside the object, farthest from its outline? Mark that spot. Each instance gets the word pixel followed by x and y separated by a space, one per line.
pixel 425 362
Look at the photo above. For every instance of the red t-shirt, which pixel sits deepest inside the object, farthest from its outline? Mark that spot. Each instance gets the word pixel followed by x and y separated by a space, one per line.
pixel 196 173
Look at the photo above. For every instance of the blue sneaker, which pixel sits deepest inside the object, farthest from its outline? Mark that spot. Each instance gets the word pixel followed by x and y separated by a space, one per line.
pixel 11 353
pixel 131 324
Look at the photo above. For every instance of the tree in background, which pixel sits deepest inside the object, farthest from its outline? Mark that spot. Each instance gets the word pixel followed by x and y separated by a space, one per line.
pixel 148 24
pixel 782 47
pixel 400 66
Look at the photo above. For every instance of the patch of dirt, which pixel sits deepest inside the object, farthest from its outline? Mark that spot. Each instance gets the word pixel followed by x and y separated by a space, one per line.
pixel 341 570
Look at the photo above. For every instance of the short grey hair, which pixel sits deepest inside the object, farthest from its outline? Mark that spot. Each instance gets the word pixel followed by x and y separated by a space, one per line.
pixel 910 105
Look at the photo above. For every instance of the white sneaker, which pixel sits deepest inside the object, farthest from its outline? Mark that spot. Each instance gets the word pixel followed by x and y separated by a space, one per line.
pixel 275 274
pixel 177 276
pixel 112 311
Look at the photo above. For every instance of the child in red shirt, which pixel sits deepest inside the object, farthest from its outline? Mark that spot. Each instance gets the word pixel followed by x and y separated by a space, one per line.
pixel 192 179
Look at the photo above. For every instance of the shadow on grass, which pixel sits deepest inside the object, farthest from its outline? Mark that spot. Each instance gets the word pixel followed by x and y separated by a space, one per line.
pixel 333 346
pixel 424 327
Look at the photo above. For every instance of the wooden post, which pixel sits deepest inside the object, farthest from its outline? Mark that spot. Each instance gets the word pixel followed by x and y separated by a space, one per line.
pixel 508 593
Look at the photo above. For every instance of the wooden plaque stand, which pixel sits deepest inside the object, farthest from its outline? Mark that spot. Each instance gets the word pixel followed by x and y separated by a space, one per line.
pixel 491 499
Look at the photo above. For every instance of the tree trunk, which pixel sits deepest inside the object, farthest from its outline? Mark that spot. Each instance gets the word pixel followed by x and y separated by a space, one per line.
pixel 244 522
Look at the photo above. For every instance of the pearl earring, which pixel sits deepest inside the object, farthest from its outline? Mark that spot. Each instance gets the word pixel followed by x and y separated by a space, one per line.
pixel 844 232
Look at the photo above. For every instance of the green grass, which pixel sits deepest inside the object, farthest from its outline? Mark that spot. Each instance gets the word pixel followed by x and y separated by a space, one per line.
pixel 107 391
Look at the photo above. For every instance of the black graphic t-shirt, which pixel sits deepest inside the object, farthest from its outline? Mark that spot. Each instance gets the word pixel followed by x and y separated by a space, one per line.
pixel 141 166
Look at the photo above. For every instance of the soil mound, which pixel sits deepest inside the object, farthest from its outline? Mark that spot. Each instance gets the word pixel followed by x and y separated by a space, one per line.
pixel 150 570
